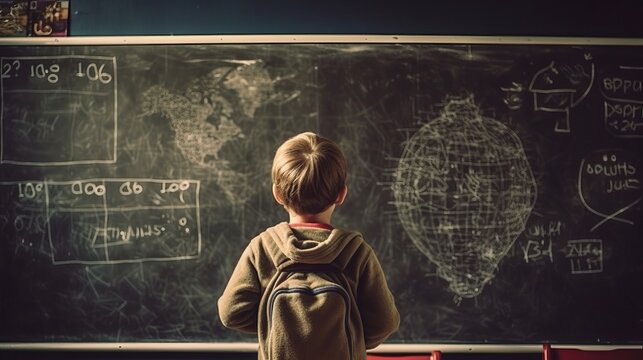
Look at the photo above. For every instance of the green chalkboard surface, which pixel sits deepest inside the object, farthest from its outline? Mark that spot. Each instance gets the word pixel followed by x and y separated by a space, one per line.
pixel 500 184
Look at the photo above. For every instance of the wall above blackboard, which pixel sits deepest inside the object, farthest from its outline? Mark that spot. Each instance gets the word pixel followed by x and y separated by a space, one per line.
pixel 590 18
pixel 498 182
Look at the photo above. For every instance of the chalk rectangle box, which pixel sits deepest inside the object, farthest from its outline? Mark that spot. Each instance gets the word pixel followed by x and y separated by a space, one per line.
pixel 67 103
pixel 107 221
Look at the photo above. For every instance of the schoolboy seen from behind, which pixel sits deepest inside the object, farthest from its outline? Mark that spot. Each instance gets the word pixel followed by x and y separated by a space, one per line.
pixel 310 291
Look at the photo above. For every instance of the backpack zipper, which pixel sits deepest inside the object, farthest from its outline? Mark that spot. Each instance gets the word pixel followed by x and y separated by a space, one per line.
pixel 315 292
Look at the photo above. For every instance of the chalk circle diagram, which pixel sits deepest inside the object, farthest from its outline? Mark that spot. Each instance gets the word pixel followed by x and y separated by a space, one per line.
pixel 463 191
pixel 609 184
pixel 559 87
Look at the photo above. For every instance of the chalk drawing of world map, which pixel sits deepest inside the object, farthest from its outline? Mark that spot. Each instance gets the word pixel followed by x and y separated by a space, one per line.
pixel 202 117
pixel 463 191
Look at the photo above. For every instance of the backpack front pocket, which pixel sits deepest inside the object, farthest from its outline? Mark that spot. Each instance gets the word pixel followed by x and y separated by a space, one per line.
pixel 309 323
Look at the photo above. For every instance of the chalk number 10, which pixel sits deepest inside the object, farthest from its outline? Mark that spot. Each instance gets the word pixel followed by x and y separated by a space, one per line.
pixel 39 71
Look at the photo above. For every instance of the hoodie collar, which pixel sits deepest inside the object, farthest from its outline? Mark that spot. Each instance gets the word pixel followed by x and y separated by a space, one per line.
pixel 307 251
pixel 311 225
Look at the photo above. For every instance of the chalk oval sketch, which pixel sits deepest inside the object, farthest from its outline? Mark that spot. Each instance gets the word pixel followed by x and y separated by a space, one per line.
pixel 463 191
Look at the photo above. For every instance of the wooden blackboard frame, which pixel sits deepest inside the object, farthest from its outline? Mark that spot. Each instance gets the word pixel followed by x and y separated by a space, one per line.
pixel 243 347
pixel 309 39
pixel 318 39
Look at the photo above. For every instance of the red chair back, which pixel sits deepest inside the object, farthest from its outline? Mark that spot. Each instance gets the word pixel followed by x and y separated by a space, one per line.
pixel 550 353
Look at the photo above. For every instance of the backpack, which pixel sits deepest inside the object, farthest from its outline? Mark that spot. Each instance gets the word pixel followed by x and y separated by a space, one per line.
pixel 309 310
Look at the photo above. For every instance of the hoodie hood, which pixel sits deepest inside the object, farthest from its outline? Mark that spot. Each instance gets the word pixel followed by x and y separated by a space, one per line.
pixel 285 248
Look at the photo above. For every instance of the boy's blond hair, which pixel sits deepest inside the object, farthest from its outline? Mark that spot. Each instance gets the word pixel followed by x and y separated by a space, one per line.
pixel 308 173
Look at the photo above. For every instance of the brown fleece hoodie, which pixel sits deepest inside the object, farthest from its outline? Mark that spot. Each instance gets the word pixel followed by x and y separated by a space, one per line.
pixel 374 316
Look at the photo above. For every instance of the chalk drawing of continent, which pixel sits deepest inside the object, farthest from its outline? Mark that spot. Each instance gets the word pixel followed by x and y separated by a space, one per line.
pixel 463 190
pixel 203 116
pixel 198 139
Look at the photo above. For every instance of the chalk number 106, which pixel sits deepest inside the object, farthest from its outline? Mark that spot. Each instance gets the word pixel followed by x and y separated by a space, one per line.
pixel 94 72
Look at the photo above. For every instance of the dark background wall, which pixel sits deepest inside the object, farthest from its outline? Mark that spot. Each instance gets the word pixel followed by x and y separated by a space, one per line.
pixel 615 18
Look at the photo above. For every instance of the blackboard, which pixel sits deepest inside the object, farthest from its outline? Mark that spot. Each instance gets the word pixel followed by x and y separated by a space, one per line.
pixel 499 183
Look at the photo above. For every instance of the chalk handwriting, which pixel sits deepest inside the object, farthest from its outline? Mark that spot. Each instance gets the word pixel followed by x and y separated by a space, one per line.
pixel 110 221
pixel 585 256
pixel 114 235
pixel 609 184
pixel 513 96
pixel 540 238
pixel 622 90
pixel 537 250
pixel 41 97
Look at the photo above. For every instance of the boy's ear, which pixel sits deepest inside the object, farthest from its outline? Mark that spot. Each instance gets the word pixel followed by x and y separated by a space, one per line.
pixel 341 196
pixel 276 195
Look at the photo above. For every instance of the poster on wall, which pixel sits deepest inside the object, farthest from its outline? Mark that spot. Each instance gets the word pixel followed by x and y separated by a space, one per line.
pixel 48 18
pixel 13 17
